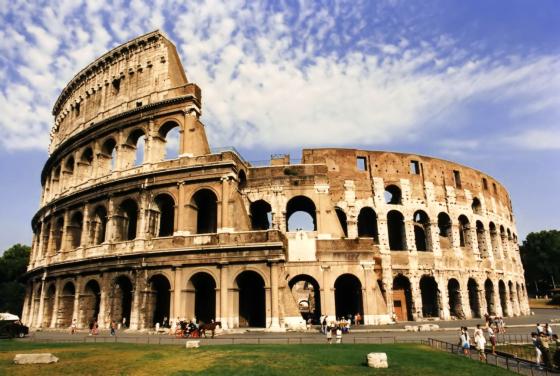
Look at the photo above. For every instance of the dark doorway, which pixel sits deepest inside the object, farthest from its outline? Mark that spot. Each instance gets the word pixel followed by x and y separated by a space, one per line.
pixel 66 305
pixel 503 298
pixel 252 304
pixel 455 302
pixel 367 224
pixel 122 300
pixel 429 292
pixel 160 287
pixel 260 215
pixel 402 298
pixel 204 296
pixel 474 298
pixel 307 294
pixel 206 205
pixel 90 302
pixel 489 294
pixel 166 208
pixel 395 226
pixel 421 229
pixel 348 296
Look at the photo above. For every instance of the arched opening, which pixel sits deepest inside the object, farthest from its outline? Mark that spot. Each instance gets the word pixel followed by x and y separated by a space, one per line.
pixel 430 296
pixel 205 205
pixel 474 298
pixel 341 215
pixel 127 219
pixel 86 164
pixel 367 224
pixel 252 303
pixel 75 229
pixel 166 215
pixel 109 154
pixel 464 228
pixel 481 238
pixel 511 298
pixel 90 302
pixel 121 300
pixel 402 298
pixel 476 206
pixel 242 180
pixel 169 133
pixel 68 171
pixel 48 306
pixel 421 229
pixel 395 227
pixel 494 239
pixel 300 214
pixel 455 302
pixel 489 295
pixel 307 295
pixel 55 180
pixel 58 231
pixel 46 231
pixel 66 305
pixel 160 300
pixel 261 215
pixel 393 195
pixel 503 298
pixel 445 231
pixel 201 290
pixel 348 296
pixel 518 293
pixel 503 240
pixel 136 141
pixel 98 225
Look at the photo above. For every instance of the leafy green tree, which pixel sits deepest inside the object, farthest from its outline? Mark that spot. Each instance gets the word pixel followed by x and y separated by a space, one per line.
pixel 13 265
pixel 540 254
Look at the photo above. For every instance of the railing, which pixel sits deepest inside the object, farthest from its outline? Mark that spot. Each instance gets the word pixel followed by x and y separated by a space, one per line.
pixel 511 363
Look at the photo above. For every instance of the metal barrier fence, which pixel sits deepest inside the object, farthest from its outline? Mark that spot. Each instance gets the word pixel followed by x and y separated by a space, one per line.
pixel 520 366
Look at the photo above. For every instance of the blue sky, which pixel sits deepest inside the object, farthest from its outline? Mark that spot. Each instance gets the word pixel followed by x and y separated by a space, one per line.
pixel 477 82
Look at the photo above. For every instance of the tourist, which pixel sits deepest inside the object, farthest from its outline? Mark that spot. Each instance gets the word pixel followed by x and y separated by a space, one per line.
pixel 492 338
pixel 328 330
pixel 357 319
pixel 113 327
pixel 173 327
pixel 95 330
pixel 465 340
pixel 502 324
pixel 548 331
pixel 164 324
pixel 73 326
pixel 309 322
pixel 157 327
pixel 124 322
pixel 544 346
pixel 338 334
pixel 480 343
pixel 539 329
pixel 535 338
pixel 91 323
pixel 556 357
pixel 324 325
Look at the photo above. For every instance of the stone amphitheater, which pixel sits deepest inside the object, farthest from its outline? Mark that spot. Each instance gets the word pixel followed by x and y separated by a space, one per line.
pixel 141 220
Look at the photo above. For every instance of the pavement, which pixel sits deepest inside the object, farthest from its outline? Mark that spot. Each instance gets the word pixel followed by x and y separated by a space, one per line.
pixel 518 330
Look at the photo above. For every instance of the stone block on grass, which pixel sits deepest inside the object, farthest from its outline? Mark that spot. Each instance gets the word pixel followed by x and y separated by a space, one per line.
pixel 377 360
pixel 43 358
pixel 192 344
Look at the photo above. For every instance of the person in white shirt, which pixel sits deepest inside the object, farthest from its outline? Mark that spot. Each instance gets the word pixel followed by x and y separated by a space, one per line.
pixel 480 342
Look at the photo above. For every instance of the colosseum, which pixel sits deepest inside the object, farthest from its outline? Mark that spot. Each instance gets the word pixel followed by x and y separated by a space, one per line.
pixel 141 220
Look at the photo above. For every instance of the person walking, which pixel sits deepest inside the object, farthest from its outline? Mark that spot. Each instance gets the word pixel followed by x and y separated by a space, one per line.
pixel 538 352
pixel 73 326
pixel 113 327
pixel 480 343
pixel 338 334
pixel 324 327
pixel 548 331
pixel 465 341
pixel 328 330
pixel 544 346
pixel 492 338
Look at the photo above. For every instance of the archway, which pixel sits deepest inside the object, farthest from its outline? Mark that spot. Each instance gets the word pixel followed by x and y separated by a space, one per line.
pixel 348 296
pixel 98 225
pixel 393 195
pixel 205 204
pixel 201 300
pixel 48 306
pixel 503 298
pixel 122 300
pixel 252 302
pixel 306 292
pixel 300 214
pixel 476 206
pixel 367 224
pixel 341 215
pixel 90 302
pixel 421 229
pixel 474 298
pixel 127 219
pixel 169 133
pixel 261 216
pixel 160 299
pixel 481 238
pixel 166 217
pixel 75 230
pixel 455 301
pixel 464 227
pixel 395 227
pixel 430 296
pixel 445 232
pixel 489 295
pixel 66 305
pixel 402 298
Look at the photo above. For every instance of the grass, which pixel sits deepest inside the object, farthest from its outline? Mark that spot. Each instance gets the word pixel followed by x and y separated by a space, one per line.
pixel 285 360
pixel 542 303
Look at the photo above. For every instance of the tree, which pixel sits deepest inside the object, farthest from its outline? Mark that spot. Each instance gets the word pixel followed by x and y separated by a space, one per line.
pixel 540 254
pixel 13 265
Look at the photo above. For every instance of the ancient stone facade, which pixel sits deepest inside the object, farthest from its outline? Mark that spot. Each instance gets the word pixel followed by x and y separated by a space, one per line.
pixel 126 231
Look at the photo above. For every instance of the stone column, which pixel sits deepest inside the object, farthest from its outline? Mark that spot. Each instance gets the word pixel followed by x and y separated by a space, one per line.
pixel 416 298
pixel 104 304
pixel 443 296
pixel 76 309
pixel 465 302
pixel 110 231
pixel 177 286
pixel 180 215
pixel 143 210
pixel 54 316
pixel 39 321
pixel 64 241
pixel 432 235
pixel 274 296
pixel 224 314
pixel 409 233
pixel 327 294
pixel 26 303
pixel 383 234
pixel 136 303
pixel 368 297
pixel 192 135
pixel 225 225
pixel 84 241
pixel 31 319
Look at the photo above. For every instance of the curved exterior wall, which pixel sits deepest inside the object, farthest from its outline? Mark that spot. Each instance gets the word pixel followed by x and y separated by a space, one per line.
pixel 206 234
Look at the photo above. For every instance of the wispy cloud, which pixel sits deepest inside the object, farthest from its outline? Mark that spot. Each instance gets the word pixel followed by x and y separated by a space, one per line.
pixel 272 76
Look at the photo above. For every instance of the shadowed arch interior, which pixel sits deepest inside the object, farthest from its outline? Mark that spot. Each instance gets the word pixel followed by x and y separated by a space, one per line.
pixel 121 299
pixel 202 293
pixel 430 296
pixel 395 227
pixel 367 224
pixel 402 298
pixel 90 302
pixel 261 216
pixel 474 298
pixel 66 305
pixel 341 215
pixel 393 195
pixel 489 295
pixel 252 303
pixel 305 289
pixel 421 229
pixel 166 218
pixel 348 296
pixel 160 299
pixel 205 205
pixel 455 302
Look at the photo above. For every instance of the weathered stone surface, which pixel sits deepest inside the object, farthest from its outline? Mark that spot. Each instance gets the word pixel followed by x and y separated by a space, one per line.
pixel 192 344
pixel 44 358
pixel 377 360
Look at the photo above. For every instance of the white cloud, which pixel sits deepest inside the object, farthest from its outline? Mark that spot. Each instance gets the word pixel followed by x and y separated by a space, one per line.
pixel 537 139
pixel 304 76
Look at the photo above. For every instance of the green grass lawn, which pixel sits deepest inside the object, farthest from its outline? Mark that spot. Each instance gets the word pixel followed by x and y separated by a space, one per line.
pixel 285 360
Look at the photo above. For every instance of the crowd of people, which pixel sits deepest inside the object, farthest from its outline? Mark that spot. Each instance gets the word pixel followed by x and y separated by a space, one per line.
pixel 339 326
pixel 542 339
